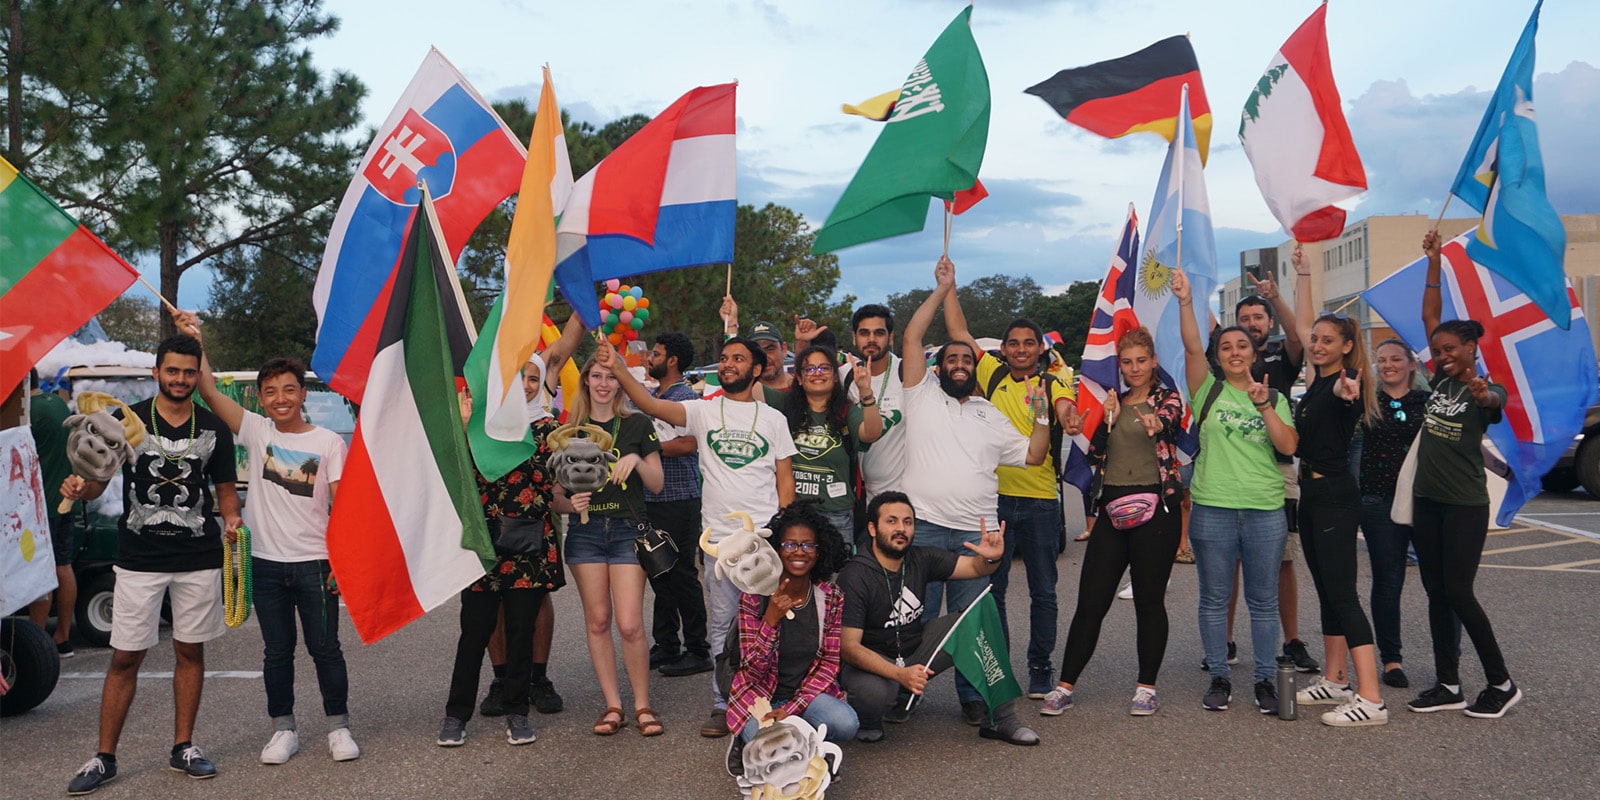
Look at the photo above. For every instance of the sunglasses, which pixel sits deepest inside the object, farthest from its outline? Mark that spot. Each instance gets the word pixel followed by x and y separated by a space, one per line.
pixel 1399 414
pixel 798 547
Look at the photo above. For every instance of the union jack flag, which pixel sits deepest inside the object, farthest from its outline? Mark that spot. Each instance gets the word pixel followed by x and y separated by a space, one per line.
pixel 1113 316
pixel 1549 374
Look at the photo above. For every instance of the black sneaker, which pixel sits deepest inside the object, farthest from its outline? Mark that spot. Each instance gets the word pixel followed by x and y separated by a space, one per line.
pixel 660 656
pixel 1303 662
pixel 518 730
pixel 1438 698
pixel 64 650
pixel 493 705
pixel 452 733
pixel 1266 697
pixel 1219 695
pixel 735 756
pixel 98 772
pixel 974 712
pixel 1493 703
pixel 687 664
pixel 190 761
pixel 897 714
pixel 1397 678
pixel 542 695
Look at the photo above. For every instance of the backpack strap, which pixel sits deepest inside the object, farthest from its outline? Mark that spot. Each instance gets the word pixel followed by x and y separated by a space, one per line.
pixel 1211 399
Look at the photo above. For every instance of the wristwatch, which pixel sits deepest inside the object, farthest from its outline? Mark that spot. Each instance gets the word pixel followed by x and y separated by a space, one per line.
pixel 991 561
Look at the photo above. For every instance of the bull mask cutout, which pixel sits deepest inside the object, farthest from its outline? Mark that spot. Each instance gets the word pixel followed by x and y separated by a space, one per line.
pixel 97 442
pixel 744 559
pixel 581 464
pixel 787 759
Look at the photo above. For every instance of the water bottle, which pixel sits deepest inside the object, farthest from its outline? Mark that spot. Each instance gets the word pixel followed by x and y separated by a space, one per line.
pixel 1287 707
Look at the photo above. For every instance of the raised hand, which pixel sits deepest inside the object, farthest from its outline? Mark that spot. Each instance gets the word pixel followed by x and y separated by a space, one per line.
pixel 1267 288
pixel 1298 259
pixel 992 544
pixel 186 322
pixel 1258 393
pixel 606 356
pixel 1181 288
pixel 1073 424
pixel 805 330
pixel 1151 423
pixel 1348 386
pixel 1430 244
pixel 1113 407
pixel 1479 386
pixel 861 371
pixel 944 273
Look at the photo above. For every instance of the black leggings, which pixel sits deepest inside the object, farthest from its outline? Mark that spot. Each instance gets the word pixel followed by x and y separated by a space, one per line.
pixel 1148 550
pixel 1449 540
pixel 1330 510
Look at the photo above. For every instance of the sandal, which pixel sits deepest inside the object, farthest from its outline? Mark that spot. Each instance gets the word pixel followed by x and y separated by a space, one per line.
pixel 1082 537
pixel 607 726
pixel 652 727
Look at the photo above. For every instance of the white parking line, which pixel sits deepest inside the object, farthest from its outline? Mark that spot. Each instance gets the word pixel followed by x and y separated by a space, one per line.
pixel 221 673
pixel 1562 528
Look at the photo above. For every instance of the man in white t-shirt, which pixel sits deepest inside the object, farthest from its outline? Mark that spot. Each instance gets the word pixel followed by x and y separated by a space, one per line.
pixel 745 450
pixel 293 473
pixel 955 441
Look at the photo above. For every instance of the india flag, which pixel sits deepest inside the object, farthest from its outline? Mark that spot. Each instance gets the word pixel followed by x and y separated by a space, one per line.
pixel 1294 133
pixel 407 530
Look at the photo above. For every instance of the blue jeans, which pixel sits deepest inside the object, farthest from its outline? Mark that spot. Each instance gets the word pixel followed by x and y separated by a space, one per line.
pixel 823 710
pixel 1221 538
pixel 722 607
pixel 956 595
pixel 1033 526
pixel 1386 548
pixel 281 589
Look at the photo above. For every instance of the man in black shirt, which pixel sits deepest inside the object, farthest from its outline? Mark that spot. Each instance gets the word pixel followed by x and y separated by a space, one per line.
pixel 885 645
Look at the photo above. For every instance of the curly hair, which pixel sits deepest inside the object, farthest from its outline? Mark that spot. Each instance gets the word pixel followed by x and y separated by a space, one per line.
pixel 831 550
pixel 796 407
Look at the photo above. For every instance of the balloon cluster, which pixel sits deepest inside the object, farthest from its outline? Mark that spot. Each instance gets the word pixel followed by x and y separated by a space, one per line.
pixel 623 312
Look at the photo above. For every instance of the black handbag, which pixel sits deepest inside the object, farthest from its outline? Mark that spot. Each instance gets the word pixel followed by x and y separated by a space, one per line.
pixel 656 551
pixel 519 536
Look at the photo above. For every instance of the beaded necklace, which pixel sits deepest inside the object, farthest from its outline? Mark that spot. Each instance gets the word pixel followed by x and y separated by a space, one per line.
pixel 160 448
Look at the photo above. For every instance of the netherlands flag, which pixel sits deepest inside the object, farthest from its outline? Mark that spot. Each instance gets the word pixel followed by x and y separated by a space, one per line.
pixel 444 133
pixel 663 199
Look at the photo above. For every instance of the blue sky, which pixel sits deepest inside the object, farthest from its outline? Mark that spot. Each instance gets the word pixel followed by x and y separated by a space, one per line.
pixel 1414 75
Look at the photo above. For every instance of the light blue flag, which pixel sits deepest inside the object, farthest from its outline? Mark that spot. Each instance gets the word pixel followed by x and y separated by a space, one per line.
pixel 1521 238
pixel 1180 212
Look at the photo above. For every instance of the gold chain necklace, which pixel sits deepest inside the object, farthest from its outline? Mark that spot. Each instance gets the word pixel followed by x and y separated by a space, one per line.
pixel 160 448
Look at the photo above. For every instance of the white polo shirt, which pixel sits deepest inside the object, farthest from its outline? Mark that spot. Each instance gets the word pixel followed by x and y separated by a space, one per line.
pixel 952 452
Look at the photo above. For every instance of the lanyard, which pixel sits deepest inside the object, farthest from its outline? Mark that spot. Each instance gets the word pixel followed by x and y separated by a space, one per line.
pixel 894 603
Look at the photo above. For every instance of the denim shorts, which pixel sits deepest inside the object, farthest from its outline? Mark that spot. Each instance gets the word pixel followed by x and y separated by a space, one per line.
pixel 603 540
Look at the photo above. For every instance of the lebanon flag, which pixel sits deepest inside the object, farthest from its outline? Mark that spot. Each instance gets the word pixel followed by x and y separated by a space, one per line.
pixel 1294 133
pixel 407 531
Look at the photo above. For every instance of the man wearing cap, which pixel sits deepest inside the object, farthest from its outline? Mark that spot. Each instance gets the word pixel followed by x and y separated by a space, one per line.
pixel 775 379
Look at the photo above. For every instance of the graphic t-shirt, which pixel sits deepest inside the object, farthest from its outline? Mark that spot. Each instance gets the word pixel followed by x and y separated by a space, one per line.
pixel 1236 468
pixel 168 522
pixel 952 452
pixel 887 605
pixel 740 445
pixel 631 434
pixel 883 463
pixel 1449 463
pixel 1011 397
pixel 289 473
pixel 822 462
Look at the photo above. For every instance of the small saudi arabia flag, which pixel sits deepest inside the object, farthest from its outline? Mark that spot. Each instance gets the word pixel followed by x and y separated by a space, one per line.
pixel 977 644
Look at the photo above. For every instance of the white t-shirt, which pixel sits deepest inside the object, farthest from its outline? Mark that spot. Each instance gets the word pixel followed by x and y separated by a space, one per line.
pixel 740 444
pixel 288 502
pixel 883 463
pixel 952 451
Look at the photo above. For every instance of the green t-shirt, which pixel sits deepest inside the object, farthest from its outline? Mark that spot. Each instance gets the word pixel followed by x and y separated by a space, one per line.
pixel 1238 467
pixel 46 412
pixel 1449 463
pixel 631 434
pixel 822 465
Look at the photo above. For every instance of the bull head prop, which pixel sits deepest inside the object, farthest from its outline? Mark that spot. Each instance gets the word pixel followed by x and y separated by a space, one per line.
pixel 744 558
pixel 581 464
pixel 787 759
pixel 97 442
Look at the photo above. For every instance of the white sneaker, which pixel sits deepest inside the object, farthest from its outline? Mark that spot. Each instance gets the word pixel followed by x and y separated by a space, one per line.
pixel 1324 693
pixel 280 748
pixel 1358 712
pixel 342 745
pixel 1126 593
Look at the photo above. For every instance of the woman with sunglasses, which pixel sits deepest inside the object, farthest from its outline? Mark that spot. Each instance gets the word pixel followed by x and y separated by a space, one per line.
pixel 1238 499
pixel 788 644
pixel 828 430
pixel 1339 396
pixel 1384 443
pixel 1135 456
pixel 1450 510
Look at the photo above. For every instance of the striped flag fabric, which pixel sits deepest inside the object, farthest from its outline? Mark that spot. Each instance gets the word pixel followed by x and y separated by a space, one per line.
pixel 54 275
pixel 407 531
pixel 1098 374
pixel 442 133
pixel 664 199
pixel 1134 93
pixel 530 265
pixel 1294 133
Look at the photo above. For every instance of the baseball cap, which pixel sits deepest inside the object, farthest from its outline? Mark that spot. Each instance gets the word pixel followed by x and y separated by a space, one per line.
pixel 765 332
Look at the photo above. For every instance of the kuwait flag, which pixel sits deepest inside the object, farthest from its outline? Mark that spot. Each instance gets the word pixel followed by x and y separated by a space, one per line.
pixel 1294 133
pixel 407 529
pixel 54 275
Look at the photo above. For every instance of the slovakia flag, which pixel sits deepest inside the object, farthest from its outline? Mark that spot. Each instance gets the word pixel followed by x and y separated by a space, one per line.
pixel 444 133
pixel 663 199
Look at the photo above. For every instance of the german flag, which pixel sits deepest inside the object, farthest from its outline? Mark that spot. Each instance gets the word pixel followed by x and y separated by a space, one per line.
pixel 1138 92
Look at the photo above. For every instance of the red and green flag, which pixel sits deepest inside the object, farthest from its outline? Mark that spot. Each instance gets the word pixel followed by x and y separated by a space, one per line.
pixel 54 275
pixel 407 530
pixel 931 145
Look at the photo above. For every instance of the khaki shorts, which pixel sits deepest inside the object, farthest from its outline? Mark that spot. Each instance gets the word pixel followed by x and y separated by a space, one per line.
pixel 1291 491
pixel 136 607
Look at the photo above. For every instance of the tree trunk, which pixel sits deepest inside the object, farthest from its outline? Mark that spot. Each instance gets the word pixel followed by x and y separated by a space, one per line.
pixel 14 87
pixel 170 273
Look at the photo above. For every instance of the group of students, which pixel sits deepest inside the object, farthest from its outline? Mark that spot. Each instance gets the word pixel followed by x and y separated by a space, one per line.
pixel 923 450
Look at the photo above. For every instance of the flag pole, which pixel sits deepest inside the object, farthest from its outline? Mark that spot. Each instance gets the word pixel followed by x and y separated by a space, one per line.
pixel 947 218
pixel 159 296
pixel 728 289
pixel 1178 153
pixel 951 632
pixel 1447 199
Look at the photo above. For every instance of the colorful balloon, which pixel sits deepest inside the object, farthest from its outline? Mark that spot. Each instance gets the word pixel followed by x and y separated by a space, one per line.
pixel 615 339
pixel 615 301
pixel 636 292
pixel 641 313
pixel 644 302
pixel 629 302
pixel 625 317
pixel 613 285
pixel 637 323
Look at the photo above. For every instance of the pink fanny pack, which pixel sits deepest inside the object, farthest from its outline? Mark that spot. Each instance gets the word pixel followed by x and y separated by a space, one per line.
pixel 1132 510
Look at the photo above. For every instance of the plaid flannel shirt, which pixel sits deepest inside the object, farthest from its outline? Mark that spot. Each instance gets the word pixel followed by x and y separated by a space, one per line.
pixel 680 475
pixel 757 675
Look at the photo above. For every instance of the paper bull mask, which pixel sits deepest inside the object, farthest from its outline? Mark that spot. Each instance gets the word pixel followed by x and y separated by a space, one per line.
pixel 581 464
pixel 98 443
pixel 788 760
pixel 744 558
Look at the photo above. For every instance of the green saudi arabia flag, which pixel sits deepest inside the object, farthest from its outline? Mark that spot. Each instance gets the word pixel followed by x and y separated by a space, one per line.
pixel 931 146
pixel 977 644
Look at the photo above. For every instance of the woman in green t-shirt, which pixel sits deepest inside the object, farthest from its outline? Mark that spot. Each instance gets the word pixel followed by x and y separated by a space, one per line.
pixel 1238 499
pixel 1450 507
pixel 828 430
pixel 600 551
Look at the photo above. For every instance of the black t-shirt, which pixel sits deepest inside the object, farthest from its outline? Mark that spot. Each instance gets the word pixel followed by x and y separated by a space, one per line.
pixel 631 434
pixel 1275 368
pixel 1384 446
pixel 168 519
pixel 1325 424
pixel 798 642
pixel 891 629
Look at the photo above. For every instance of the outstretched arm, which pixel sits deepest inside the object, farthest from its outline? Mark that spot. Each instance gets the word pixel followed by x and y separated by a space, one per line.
pixel 1195 366
pixel 915 366
pixel 955 321
pixel 667 411
pixel 226 409
pixel 556 355
pixel 1432 301
pixel 1299 321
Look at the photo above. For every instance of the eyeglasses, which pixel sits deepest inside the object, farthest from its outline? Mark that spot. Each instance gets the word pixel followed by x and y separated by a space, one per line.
pixel 798 547
pixel 1399 414
pixel 817 369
